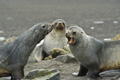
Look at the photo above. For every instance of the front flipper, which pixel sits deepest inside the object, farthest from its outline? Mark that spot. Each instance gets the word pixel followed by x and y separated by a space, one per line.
pixel 109 73
pixel 17 73
pixel 43 55
pixel 93 71
pixel 82 72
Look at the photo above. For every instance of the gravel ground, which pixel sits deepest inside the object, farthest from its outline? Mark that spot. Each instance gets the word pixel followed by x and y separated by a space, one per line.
pixel 99 18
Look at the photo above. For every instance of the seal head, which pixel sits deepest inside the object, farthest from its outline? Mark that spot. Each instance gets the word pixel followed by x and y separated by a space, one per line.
pixel 59 24
pixel 73 34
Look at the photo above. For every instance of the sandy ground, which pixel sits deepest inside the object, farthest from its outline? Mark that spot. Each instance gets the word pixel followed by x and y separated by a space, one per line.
pixel 99 18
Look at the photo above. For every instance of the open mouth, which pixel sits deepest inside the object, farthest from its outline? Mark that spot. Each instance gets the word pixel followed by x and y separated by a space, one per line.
pixel 70 40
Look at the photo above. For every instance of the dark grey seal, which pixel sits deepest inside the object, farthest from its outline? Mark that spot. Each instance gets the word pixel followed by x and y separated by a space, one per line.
pixel 94 55
pixel 14 55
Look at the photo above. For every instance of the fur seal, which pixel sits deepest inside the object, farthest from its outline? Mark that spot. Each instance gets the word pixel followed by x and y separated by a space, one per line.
pixel 94 55
pixel 14 55
pixel 55 39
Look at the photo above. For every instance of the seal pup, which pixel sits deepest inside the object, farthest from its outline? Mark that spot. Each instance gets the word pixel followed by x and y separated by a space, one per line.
pixel 55 39
pixel 94 55
pixel 14 55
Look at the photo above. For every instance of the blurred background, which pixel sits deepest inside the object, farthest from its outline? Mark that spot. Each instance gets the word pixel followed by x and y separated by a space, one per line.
pixel 99 18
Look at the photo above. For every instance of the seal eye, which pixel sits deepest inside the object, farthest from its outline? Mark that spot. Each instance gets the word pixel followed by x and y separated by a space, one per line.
pixel 74 33
pixel 43 26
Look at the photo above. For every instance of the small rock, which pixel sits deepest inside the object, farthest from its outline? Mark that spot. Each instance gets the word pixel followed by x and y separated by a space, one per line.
pixel 107 39
pixel 9 18
pixel 1 31
pixel 5 78
pixel 2 39
pixel 98 22
pixel 66 58
pixel 115 22
pixel 43 74
pixel 92 28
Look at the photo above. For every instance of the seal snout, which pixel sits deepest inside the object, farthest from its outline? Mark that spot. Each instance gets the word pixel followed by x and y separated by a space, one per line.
pixel 60 25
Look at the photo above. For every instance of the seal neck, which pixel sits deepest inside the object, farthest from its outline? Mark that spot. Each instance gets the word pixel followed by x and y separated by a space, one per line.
pixel 81 41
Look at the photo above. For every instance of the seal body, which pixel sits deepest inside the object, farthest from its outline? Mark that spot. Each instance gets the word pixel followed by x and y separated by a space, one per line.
pixel 55 39
pixel 14 55
pixel 94 55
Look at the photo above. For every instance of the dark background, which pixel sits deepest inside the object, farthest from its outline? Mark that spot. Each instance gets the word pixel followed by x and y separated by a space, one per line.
pixel 17 16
